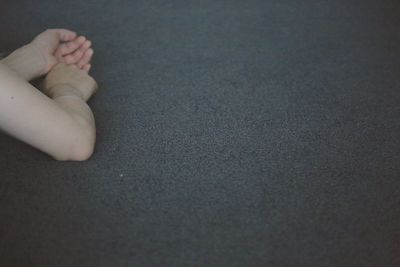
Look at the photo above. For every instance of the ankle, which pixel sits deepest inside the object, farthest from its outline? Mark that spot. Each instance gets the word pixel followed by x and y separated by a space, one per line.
pixel 62 90
pixel 23 61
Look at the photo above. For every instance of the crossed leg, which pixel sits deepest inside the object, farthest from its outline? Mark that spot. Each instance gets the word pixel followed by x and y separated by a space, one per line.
pixel 54 126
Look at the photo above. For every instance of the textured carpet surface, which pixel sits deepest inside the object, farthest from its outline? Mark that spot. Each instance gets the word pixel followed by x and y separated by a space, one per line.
pixel 229 133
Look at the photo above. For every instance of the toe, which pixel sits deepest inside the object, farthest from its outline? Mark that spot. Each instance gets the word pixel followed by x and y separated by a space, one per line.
pixel 64 34
pixel 74 57
pixel 69 47
pixel 80 52
pixel 65 50
pixel 87 56
pixel 85 46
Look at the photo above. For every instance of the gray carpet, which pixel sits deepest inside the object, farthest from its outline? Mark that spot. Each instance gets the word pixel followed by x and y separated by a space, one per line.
pixel 229 133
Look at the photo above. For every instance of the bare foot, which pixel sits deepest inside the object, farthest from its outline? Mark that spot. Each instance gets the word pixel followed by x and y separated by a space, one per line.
pixel 46 50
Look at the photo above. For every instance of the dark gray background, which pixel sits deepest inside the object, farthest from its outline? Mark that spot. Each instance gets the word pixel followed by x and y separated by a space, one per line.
pixel 229 133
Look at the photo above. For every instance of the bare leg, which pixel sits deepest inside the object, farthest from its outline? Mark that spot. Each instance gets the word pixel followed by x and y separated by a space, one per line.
pixel 25 62
pixel 62 127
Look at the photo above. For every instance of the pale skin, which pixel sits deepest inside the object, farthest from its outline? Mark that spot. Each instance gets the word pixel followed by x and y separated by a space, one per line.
pixel 57 119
